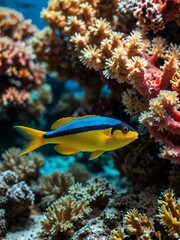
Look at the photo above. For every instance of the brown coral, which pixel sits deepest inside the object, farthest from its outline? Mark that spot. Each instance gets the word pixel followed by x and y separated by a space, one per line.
pixel 63 215
pixel 117 235
pixel 138 225
pixel 55 186
pixel 26 167
pixel 169 213
pixel 13 25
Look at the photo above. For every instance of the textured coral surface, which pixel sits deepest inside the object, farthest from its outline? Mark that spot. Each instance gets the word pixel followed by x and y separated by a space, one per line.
pixel 145 67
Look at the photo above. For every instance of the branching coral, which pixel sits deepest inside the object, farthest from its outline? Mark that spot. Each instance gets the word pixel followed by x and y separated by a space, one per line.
pixel 117 235
pixel 63 215
pixel 163 122
pixel 169 213
pixel 15 199
pixel 26 167
pixel 67 214
pixel 19 72
pixel 138 225
pixel 55 186
pixel 148 66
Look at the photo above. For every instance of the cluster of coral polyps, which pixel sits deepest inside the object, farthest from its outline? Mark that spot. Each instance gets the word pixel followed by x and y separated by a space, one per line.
pixel 148 65
pixel 19 72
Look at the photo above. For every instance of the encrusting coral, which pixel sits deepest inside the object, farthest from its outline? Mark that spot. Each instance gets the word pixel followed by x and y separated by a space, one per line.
pixel 55 186
pixel 144 67
pixel 20 73
pixel 26 167
pixel 15 199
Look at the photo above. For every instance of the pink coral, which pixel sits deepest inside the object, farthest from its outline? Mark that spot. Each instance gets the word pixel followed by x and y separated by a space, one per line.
pixel 163 122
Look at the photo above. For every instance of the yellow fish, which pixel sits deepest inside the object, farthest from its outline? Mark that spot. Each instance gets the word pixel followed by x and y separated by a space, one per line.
pixel 91 133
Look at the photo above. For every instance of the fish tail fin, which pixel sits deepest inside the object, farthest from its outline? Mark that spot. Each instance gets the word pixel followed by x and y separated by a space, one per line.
pixel 34 138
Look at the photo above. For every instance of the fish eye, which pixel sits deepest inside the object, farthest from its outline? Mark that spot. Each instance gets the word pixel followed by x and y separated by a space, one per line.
pixel 125 129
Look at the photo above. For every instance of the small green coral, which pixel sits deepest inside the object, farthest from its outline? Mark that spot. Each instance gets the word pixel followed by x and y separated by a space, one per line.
pixel 169 213
pixel 63 215
pixel 26 166
pixel 54 186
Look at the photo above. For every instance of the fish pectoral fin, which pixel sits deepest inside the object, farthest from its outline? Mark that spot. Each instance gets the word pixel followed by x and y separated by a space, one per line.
pixel 95 154
pixel 65 150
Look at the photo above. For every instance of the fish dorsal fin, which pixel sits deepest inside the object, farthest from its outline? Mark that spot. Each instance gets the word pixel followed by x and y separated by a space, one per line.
pixel 62 121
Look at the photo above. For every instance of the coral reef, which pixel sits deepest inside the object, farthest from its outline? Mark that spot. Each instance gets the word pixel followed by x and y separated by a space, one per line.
pixel 131 48
pixel 140 226
pixel 55 186
pixel 66 214
pixel 96 192
pixel 26 167
pixel 62 216
pixel 20 73
pixel 169 213
pixel 149 15
pixel 15 199
pixel 144 68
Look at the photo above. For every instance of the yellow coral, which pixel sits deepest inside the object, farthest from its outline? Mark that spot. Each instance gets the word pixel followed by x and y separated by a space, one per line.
pixel 117 235
pixel 138 224
pixel 176 81
pixel 169 213
pixel 158 47
pixel 136 65
pixel 91 57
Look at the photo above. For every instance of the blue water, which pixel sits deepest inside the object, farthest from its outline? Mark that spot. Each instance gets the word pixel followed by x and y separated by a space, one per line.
pixel 30 9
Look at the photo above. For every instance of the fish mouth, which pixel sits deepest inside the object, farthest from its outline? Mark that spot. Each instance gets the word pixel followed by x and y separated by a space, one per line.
pixel 133 135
